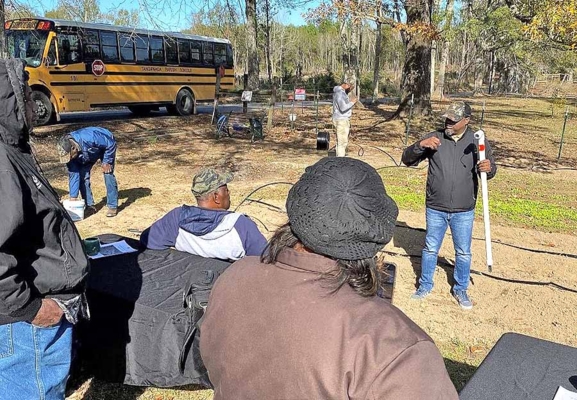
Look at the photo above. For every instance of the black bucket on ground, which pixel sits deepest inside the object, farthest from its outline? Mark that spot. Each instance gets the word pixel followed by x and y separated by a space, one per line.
pixel 323 140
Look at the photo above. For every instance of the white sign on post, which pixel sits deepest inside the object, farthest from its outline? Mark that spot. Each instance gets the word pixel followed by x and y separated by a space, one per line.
pixel 246 96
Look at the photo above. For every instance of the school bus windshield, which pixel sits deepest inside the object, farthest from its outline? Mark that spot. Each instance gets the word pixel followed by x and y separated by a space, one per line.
pixel 27 45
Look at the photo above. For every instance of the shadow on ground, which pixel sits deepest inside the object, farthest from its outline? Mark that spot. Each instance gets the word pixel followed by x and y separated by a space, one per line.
pixel 459 372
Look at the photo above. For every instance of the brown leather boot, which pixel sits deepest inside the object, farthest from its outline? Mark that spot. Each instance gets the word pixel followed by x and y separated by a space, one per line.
pixel 112 212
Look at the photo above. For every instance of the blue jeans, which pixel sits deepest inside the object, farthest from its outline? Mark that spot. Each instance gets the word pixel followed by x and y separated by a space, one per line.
pixel 461 224
pixel 34 362
pixel 79 179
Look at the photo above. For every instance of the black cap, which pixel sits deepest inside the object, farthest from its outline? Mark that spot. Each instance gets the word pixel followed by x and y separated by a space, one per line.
pixel 340 208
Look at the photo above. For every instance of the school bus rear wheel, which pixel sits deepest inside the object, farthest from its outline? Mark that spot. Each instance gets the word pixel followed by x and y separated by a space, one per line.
pixel 45 111
pixel 184 102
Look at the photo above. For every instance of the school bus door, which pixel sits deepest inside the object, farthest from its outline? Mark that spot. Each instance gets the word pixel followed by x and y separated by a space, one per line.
pixel 67 72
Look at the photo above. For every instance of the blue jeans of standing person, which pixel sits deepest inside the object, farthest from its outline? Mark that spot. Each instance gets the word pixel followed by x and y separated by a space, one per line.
pixel 461 224
pixel 79 178
pixel 34 361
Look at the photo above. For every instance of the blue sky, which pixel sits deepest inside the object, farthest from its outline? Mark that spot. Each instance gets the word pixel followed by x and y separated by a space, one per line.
pixel 169 15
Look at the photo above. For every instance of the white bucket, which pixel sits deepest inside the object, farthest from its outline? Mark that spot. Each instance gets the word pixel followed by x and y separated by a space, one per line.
pixel 75 209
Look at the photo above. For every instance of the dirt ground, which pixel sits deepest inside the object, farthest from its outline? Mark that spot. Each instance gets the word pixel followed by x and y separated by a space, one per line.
pixel 158 156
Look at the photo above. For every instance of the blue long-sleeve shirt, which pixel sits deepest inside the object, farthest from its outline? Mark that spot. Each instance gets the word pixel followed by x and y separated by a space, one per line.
pixel 95 144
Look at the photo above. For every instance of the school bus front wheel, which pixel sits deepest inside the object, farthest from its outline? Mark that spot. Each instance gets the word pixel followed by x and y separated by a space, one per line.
pixel 45 111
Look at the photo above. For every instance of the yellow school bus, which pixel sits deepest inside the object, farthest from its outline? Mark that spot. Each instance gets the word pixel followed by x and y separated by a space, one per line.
pixel 76 66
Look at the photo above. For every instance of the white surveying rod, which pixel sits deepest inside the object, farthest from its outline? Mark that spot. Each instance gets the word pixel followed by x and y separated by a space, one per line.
pixel 480 136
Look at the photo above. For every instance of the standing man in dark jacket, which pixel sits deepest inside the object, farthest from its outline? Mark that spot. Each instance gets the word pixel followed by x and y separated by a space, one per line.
pixel 42 264
pixel 452 185
pixel 81 149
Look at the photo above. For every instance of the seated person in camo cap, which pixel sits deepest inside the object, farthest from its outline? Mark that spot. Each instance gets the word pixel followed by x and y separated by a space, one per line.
pixel 208 230
pixel 303 321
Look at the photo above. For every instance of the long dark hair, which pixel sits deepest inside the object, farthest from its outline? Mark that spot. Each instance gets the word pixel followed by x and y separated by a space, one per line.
pixel 363 276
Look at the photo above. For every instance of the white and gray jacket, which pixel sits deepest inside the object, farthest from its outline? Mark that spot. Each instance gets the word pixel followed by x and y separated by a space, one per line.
pixel 205 232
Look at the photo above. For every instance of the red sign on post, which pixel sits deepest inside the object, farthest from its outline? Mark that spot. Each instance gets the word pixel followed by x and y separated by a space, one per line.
pixel 300 94
pixel 98 68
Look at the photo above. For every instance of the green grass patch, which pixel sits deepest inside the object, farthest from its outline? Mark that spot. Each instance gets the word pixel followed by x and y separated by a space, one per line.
pixel 519 199
pixel 534 214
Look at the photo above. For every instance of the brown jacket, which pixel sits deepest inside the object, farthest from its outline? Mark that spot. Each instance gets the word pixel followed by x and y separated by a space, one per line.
pixel 276 332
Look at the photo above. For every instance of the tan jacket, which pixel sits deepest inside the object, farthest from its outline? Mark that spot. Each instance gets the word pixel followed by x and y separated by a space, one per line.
pixel 275 332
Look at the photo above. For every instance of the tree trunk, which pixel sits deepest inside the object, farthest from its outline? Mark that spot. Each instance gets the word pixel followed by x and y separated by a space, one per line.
pixel 433 62
pixel 445 53
pixel 267 37
pixel 349 43
pixel 377 66
pixel 252 51
pixel 417 68
pixel 2 36
pixel 492 72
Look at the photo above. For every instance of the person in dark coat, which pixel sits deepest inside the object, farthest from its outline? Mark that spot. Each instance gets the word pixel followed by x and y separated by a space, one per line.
pixel 452 186
pixel 304 321
pixel 81 149
pixel 42 263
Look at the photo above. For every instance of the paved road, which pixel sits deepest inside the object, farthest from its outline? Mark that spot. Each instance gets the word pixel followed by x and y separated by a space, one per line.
pixel 110 115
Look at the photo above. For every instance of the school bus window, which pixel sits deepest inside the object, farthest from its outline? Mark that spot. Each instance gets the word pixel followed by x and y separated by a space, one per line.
pixel 184 51
pixel 69 51
pixel 196 52
pixel 207 53
pixel 229 56
pixel 91 45
pixel 220 54
pixel 109 46
pixel 142 49
pixel 156 50
pixel 171 50
pixel 126 48
pixel 51 58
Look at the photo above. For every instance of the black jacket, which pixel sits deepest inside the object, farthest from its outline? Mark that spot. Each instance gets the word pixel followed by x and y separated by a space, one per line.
pixel 452 181
pixel 41 252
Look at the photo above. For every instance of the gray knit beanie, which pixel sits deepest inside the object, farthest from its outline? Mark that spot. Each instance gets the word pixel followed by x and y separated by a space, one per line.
pixel 340 208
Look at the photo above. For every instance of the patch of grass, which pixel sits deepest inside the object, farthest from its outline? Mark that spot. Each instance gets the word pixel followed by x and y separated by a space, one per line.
pixel 535 214
pixel 520 199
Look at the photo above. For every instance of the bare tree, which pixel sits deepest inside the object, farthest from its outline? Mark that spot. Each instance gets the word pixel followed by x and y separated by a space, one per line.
pixel 3 53
pixel 416 79
pixel 446 46
pixel 252 51
pixel 378 43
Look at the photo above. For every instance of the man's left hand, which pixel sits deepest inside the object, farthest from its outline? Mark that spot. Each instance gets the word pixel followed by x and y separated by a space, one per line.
pixel 106 168
pixel 484 166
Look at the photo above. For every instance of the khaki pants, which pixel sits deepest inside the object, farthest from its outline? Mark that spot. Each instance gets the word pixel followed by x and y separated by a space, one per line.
pixel 342 126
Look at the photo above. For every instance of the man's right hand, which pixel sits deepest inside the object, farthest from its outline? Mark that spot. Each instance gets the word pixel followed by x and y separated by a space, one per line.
pixel 49 314
pixel 430 143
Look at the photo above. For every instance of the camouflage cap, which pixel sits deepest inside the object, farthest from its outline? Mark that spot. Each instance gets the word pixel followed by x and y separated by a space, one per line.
pixel 457 111
pixel 209 180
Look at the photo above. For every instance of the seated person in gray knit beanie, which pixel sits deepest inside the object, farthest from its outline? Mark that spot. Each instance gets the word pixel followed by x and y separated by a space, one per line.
pixel 304 321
